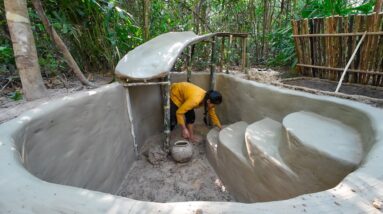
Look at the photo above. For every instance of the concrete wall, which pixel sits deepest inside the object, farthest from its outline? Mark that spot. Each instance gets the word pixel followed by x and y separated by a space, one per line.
pixel 251 101
pixel 22 192
pixel 82 140
pixel 147 111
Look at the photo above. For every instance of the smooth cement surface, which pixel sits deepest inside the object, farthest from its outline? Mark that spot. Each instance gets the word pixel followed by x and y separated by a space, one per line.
pixel 74 134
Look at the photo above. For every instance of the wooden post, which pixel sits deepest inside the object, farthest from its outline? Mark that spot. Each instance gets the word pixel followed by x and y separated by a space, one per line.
pixel 244 43
pixel 297 45
pixel 188 64
pixel 212 64
pixel 222 61
pixel 229 52
pixel 166 104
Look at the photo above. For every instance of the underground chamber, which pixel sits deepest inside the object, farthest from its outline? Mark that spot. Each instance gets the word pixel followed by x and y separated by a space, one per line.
pixel 72 154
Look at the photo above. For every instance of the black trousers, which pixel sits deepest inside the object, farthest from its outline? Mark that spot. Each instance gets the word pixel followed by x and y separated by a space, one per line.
pixel 189 116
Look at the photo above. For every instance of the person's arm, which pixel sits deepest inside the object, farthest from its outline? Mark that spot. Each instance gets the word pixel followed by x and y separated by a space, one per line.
pixel 214 118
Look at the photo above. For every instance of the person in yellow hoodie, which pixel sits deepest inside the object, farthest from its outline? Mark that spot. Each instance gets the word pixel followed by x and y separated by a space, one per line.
pixel 184 98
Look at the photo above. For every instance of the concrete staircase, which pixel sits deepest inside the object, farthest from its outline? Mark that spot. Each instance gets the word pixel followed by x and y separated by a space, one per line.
pixel 268 160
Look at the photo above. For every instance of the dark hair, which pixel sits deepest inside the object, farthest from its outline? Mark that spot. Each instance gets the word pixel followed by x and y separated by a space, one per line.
pixel 215 97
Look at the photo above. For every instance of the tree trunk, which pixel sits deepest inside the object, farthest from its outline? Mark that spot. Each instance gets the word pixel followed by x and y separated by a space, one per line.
pixel 146 19
pixel 378 6
pixel 60 44
pixel 24 49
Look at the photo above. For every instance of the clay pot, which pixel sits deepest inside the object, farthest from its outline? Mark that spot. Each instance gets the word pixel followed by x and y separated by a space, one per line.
pixel 182 151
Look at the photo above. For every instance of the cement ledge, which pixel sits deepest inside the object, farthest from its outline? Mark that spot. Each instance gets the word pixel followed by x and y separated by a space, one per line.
pixel 21 192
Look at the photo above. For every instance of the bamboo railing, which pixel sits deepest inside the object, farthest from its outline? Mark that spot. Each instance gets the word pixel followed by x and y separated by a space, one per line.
pixel 325 45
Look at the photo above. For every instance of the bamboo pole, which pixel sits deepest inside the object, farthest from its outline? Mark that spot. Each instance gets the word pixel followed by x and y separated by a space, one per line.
pixel 349 62
pixel 338 34
pixel 188 64
pixel 340 69
pixel 244 43
pixel 361 66
pixel 327 44
pixel 229 52
pixel 379 54
pixel 222 61
pixel 356 28
pixel 145 83
pixel 307 46
pixel 297 45
pixel 345 43
pixel 212 65
pixel 166 104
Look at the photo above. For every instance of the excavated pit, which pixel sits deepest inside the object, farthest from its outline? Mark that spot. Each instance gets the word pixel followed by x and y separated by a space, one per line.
pixel 85 143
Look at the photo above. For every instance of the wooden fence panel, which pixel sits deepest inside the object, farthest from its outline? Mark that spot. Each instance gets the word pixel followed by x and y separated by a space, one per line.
pixel 324 46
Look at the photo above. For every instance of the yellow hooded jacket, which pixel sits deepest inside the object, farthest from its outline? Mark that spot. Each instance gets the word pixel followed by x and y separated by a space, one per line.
pixel 187 96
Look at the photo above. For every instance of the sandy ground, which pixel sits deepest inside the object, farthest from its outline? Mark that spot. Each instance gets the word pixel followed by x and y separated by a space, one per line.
pixel 169 181
pixel 326 85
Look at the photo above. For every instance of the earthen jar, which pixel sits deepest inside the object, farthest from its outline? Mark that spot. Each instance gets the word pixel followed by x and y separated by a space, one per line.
pixel 182 151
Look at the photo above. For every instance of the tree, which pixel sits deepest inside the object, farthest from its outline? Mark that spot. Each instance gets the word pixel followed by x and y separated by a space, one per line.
pixel 60 44
pixel 146 17
pixel 24 49
pixel 378 6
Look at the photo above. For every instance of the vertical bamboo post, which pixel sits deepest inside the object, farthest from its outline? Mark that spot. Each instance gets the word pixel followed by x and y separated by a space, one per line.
pixel 212 64
pixel 373 50
pixel 222 61
pixel 379 57
pixel 345 42
pixel 166 104
pixel 322 47
pixel 297 45
pixel 229 52
pixel 307 45
pixel 244 43
pixel 313 24
pixel 188 64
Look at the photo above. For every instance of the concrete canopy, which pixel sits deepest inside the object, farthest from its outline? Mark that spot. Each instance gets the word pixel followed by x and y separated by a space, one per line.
pixel 156 57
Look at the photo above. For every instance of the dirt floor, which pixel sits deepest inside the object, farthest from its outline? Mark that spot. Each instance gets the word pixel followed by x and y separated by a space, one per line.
pixel 168 181
pixel 325 85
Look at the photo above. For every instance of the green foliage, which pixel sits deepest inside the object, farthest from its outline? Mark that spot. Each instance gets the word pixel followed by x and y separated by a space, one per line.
pixel 283 45
pixel 16 95
pixel 324 8
pixel 98 32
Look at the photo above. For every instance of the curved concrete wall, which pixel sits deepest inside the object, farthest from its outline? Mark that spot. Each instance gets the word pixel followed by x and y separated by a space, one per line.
pixel 251 101
pixel 82 140
pixel 22 192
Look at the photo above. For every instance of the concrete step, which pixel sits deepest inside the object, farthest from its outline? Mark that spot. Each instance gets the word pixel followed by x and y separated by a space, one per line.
pixel 262 142
pixel 232 138
pixel 320 148
pixel 212 146
pixel 232 166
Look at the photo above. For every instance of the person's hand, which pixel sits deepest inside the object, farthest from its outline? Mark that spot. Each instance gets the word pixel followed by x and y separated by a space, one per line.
pixel 185 133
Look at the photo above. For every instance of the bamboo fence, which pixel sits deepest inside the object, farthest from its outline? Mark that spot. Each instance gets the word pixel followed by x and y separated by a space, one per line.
pixel 325 45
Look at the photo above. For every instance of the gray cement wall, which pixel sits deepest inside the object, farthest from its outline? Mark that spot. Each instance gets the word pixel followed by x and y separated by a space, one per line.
pixel 82 140
pixel 22 192
pixel 251 101
pixel 146 103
